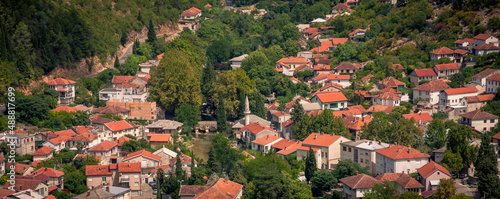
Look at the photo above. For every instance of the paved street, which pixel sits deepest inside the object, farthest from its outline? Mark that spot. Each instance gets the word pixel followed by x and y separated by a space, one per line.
pixel 465 189
pixel 147 192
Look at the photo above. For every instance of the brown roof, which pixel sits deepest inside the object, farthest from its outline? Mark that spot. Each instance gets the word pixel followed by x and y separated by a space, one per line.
pixel 391 177
pixel 60 81
pixel 347 65
pixel 218 188
pixel 23 183
pixel 360 181
pixel 435 85
pixel 482 36
pixel 143 153
pixel 480 98
pixel 485 73
pixel 104 146
pixel 478 115
pixel 391 82
pixel 49 172
pixel 495 77
pixel 442 51
pixel 406 181
pixel 341 6
pixel 43 151
pixel 451 66
pixel 486 47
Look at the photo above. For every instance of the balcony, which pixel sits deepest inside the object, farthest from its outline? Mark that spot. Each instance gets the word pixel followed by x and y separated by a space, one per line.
pixel 124 179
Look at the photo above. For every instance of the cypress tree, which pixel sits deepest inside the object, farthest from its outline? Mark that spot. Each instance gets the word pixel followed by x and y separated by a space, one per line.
pixel 151 33
pixel 124 38
pixel 178 168
pixel 241 96
pixel 136 47
pixel 213 165
pixel 221 115
pixel 487 170
pixel 159 182
pixel 117 62
pixel 310 165
pixel 207 81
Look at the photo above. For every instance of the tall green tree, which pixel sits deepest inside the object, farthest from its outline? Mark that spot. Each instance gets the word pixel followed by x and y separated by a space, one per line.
pixel 151 33
pixel 117 63
pixel 436 134
pixel 452 161
pixel 187 114
pixel 159 181
pixel 446 189
pixel 179 172
pixel 310 165
pixel 347 167
pixel 213 165
pixel 221 116
pixel 124 38
pixel 207 82
pixel 323 180
pixel 385 190
pixel 487 169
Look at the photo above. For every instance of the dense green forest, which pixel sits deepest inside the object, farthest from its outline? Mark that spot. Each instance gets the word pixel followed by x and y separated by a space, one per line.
pixel 38 35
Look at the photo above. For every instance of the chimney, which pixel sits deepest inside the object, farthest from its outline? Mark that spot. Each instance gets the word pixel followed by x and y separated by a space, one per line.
pixel 267 137
pixel 374 139
pixel 20 187
pixel 409 149
pixel 370 143
pixel 322 133
pixel 316 136
pixel 88 193
pixel 356 173
pixel 408 172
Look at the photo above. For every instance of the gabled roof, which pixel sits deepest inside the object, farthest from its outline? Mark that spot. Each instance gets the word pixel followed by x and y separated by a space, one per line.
pixel 388 96
pixel 451 66
pixel 380 108
pixel 495 77
pixel 290 149
pixel 67 109
pixel 423 117
pixel 321 68
pixel 461 41
pixel 256 128
pixel 430 168
pixel 486 47
pixel 391 177
pixel 143 153
pixel 496 136
pixel 318 139
pixel 369 76
pixel 122 140
pixel 68 132
pixel 391 82
pixel 191 12
pixel 266 140
pixel 218 188
pixel 97 170
pixel 283 143
pixel 49 172
pixel 341 6
pixel 24 183
pixel 104 146
pixel 454 91
pixel 310 30
pixel 43 151
pixel 435 85
pixel 398 152
pixel 360 181
pixel 60 81
pixel 347 65
pixel 480 98
pixel 425 72
pixel 303 66
pixel 86 137
pixel 334 85
pixel 478 115
pixel 60 139
pixel 398 67
pixel 337 41
pixel 442 51
pixel 406 181
pixel 293 60
pixel 159 137
pixel 121 79
pixel 356 31
pixel 82 129
pixel 166 151
pixel 129 167
pixel 118 125
pixel 331 97
pixel 482 36
pixel 485 73
pixel 358 107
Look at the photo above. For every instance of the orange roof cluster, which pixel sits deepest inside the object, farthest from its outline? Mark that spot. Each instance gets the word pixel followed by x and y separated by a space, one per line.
pixel 430 168
pixel 160 167
pixel 317 139
pixel 265 140
pixel 435 85
pixel 398 152
pixel 44 150
pixel 143 153
pixel 129 167
pixel 480 98
pixel 67 109
pixel 60 81
pixel 118 125
pixel 419 117
pixel 331 97
pixel 256 128
pixel 454 91
pixel 104 146
pixel 159 137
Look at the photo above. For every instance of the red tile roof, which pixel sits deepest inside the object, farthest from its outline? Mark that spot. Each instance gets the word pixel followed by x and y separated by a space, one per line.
pixel 454 91
pixel 337 86
pixel 435 85
pixel 23 183
pixel 391 82
pixel 442 51
pixel 391 177
pixel 427 194
pixel 356 31
pixel 273 106
pixel 346 113
pixel 406 181
pixel 480 98
pixel 60 139
pixel 97 170
pixel 97 157
pixel 293 60
pixel 317 139
pixel 122 140
pixel 495 77
pixel 337 41
pixel 341 6
pixel 310 30
pixel 223 188
pixel 68 132
pixel 283 143
pixel 121 79
pixel 35 163
pixel 398 67
pixel 452 66
pixel 2 158
pixel 67 109
pixel 478 115
pixel 388 96
pixel 43 151
pixel 118 125
pixel 142 153
pixel 486 47
pixel 496 136
pixel 266 140
pixel 104 146
pixel 369 76
pixel 485 73
pixel 306 148
pixel 49 172
pixel 347 65
pixel 129 167
pixel 159 137
pixel 86 137
pixel 160 167
pixel 380 108
pixel 290 149
pixel 82 129
pixel 127 85
pixel 360 181
pixel 6 192
pixel 424 117
pixel 460 51
pixel 50 190
pixel 398 152
pixel 280 113
pixel 331 97
pixel 60 81
pixel 191 12
pixel 425 72
pixel 255 128
pixel 321 68
pixel 430 168
pixel 461 41
pixel 358 107
pixel 482 36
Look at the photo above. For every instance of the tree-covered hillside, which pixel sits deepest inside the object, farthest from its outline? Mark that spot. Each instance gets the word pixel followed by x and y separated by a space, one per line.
pixel 38 35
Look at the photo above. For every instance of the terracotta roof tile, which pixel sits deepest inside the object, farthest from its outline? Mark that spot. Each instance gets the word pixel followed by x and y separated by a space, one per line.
pixel 425 72
pixel 283 143
pixel 159 137
pixel 398 67
pixel 142 153
pixel 360 181
pixel 337 41
pixel 486 47
pixel 118 125
pixel 97 157
pixel 122 140
pixel 485 73
pixel 480 98
pixel 391 177
pixel 129 167
pixel 442 51
pixel 97 170
pixel 435 85
pixel 369 76
pixel 43 151
pixel 290 149
pixel 60 139
pixel 293 60
pixel 256 128
pixel 265 140
pixel 406 181
pixel 460 51
pixel 49 172
pixel 6 192
pixel 306 148
pixel 358 107
pixel 67 109
pixel 104 146
pixel 310 30
pixel 495 77
pixel 347 65
pixel 454 91
pixel 430 168
pixel 334 85
pixel 398 152
pixel 86 137
pixel 461 41
pixel 341 6
pixel 331 97
pixel 60 81
pixel 482 36
pixel 23 183
pixel 478 115
pixel 356 31
pixel 321 68
pixel 424 117
pixel 121 79
pixel 391 82
pixel 164 167
pixel 496 136
pixel 451 66
pixel 317 139
pixel 388 96
pixel 68 132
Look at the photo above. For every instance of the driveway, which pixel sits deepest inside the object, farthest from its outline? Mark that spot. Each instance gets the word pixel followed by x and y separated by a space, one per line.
pixel 465 189
pixel 147 192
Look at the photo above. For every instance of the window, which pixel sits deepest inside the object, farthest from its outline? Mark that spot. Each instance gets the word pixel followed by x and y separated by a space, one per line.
pixel 103 178
pixel 344 148
pixel 136 176
pixel 126 176
pixel 492 121
pixel 361 160
pixel 366 153
pixel 484 121
pixel 349 149
pixel 90 179
pixel 136 184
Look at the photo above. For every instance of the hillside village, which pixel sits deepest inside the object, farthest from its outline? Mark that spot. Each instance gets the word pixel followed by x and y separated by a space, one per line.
pixel 312 118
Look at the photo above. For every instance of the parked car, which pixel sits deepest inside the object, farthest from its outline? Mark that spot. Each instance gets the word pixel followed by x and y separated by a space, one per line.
pixel 473 185
pixel 153 185
pixel 453 175
pixel 155 191
pixel 462 176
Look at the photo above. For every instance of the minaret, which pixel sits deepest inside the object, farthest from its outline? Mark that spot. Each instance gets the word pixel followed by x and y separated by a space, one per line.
pixel 247 112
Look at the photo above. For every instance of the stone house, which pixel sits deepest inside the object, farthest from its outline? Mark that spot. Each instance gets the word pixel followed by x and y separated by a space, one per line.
pixel 445 70
pixel 356 186
pixel 362 152
pixel 477 102
pixel 493 83
pixel 43 153
pixel 255 131
pixel 430 91
pixel 25 142
pixel 431 173
pixel 326 147
pixel 485 49
pixel 399 159
pixel 485 39
pixel 98 175
pixel 480 120
pixel 65 88
pixel 164 126
pixel 165 155
pixel 56 178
